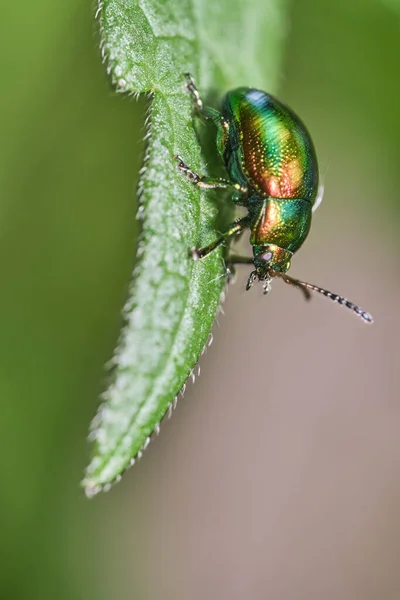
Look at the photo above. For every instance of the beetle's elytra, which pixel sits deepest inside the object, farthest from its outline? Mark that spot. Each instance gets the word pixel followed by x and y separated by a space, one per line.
pixel 273 172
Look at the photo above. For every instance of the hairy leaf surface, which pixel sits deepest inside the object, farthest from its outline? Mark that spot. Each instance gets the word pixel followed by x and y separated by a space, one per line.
pixel 147 46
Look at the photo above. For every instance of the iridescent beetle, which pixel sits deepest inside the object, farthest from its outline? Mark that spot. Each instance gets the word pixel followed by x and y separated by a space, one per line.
pixel 271 161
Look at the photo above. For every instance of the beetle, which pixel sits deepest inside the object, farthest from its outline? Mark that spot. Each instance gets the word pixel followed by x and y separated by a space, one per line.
pixel 273 172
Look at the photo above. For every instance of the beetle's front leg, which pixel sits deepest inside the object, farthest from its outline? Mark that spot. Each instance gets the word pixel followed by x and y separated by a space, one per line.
pixel 246 260
pixel 235 228
pixel 234 259
pixel 208 182
pixel 231 261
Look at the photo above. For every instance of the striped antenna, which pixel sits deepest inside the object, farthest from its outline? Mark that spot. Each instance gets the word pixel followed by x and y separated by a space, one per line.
pixel 367 318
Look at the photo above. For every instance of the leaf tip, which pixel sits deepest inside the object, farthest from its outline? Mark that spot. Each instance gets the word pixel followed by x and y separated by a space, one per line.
pixel 90 488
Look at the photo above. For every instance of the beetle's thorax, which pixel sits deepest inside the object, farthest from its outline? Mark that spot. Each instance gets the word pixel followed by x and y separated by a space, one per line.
pixel 281 222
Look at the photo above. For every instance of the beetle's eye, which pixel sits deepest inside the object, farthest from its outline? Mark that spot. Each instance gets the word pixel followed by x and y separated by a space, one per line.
pixel 266 257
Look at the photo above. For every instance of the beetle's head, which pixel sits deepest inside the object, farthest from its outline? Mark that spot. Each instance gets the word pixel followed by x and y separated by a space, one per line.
pixel 268 259
pixel 272 261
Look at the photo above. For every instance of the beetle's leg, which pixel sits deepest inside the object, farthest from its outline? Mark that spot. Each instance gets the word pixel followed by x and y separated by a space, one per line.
pixel 191 86
pixel 234 259
pixel 206 111
pixel 209 113
pixel 208 182
pixel 231 261
pixel 237 227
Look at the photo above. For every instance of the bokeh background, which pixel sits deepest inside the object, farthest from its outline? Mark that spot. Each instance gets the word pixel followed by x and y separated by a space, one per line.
pixel 279 475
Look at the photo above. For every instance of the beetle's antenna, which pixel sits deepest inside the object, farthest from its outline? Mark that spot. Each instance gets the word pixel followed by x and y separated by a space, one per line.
pixel 295 282
pixel 302 284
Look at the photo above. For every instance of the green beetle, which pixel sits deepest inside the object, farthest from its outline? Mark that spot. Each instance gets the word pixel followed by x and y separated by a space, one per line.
pixel 271 161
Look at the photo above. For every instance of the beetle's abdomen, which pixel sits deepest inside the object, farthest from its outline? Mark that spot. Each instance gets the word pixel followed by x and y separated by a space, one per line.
pixel 268 147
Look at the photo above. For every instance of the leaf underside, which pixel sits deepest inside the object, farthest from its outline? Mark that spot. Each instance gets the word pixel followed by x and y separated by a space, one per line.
pixel 148 45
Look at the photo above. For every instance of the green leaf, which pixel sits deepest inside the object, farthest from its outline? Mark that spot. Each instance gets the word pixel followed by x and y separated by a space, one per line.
pixel 148 45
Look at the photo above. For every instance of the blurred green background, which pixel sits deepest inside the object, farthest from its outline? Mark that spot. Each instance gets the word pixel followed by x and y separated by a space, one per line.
pixel 282 482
